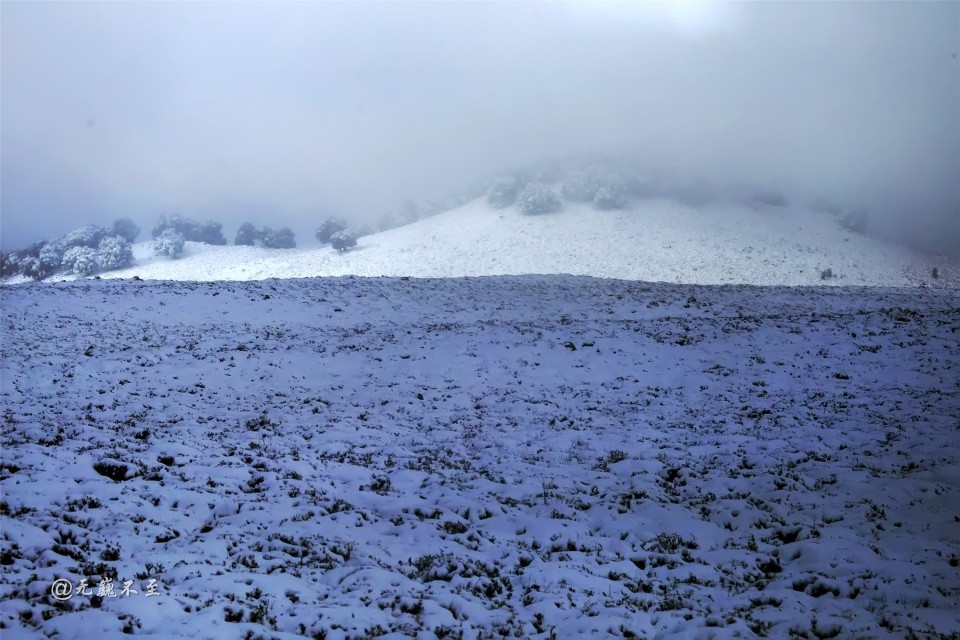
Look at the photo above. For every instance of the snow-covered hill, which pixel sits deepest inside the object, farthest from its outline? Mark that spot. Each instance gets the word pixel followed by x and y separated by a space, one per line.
pixel 527 457
pixel 652 240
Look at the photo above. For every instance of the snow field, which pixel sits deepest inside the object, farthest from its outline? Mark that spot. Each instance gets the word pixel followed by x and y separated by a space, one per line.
pixel 539 456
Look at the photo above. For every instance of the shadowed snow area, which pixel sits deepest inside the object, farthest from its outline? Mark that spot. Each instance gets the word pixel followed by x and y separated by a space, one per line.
pixel 654 240
pixel 521 456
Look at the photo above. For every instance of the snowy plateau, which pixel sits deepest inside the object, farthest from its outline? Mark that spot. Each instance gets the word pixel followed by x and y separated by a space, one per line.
pixel 530 437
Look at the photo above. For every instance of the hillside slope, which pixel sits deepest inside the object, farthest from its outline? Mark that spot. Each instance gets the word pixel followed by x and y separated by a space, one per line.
pixel 653 240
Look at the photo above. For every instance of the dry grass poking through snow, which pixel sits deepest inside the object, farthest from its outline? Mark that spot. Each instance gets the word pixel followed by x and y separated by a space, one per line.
pixel 521 456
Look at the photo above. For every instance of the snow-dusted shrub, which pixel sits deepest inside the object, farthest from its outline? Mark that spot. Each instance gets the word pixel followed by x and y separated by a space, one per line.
pixel 126 228
pixel 30 266
pixel 581 186
pixel 35 268
pixel 246 235
pixel 329 227
pixel 610 197
pixel 40 260
pixel 186 227
pixel 169 244
pixel 342 240
pixel 163 223
pixel 50 256
pixel 33 249
pixel 86 236
pixel 503 191
pixel 536 198
pixel 282 239
pixel 80 260
pixel 209 232
pixel 10 265
pixel 114 252
pixel 586 185
pixel 13 263
pixel 22 260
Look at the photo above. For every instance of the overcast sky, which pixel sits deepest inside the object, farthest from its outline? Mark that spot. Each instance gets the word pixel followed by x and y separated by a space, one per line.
pixel 284 113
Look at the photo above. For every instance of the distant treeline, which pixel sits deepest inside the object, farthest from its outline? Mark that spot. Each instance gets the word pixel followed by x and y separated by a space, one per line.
pixel 609 186
pixel 543 189
pixel 84 251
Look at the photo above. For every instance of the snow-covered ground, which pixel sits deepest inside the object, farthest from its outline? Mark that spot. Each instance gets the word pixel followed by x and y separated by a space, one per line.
pixel 541 456
pixel 652 240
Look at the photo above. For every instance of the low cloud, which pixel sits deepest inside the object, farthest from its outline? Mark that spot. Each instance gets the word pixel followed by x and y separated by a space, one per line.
pixel 281 113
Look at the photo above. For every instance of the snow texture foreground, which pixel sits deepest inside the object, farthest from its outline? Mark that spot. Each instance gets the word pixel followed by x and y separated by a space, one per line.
pixel 515 456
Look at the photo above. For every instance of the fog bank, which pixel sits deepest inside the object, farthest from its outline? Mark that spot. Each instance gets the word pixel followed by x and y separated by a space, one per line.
pixel 284 113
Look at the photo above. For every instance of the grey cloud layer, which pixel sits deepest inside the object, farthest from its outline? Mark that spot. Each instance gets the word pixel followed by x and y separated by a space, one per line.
pixel 284 111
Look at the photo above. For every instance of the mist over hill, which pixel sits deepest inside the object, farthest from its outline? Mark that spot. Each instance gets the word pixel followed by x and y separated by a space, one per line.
pixel 688 235
pixel 294 112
